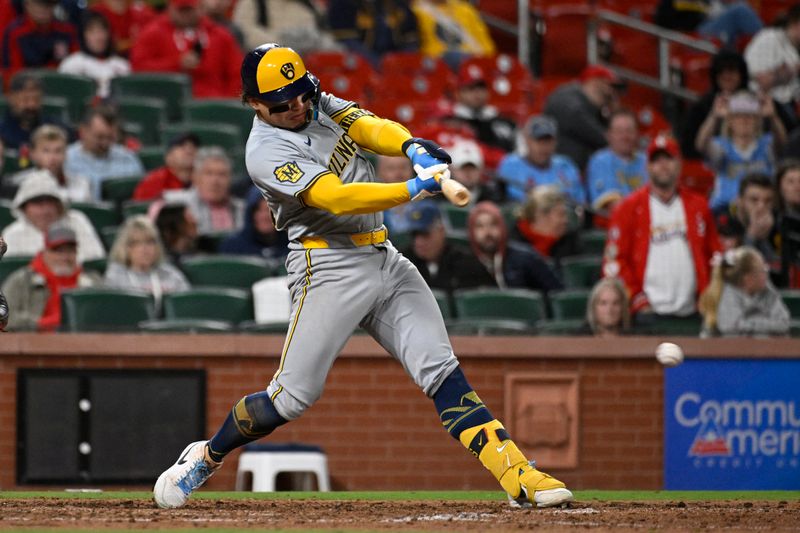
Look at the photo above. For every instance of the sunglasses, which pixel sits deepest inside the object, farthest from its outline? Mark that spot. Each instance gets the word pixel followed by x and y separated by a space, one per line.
pixel 283 108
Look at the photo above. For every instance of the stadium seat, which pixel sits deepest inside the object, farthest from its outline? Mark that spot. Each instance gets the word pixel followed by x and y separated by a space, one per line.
pixel 108 235
pixel 96 265
pixel 458 238
pixel 186 325
pixel 228 111
pixel 211 134
pixel 11 263
pixel 349 86
pixel 669 325
pixel 570 304
pixel 791 297
pixel 56 107
pixel 512 304
pixel 456 216
pixel 6 217
pixel 318 62
pixel 118 190
pixel 210 303
pixel 149 113
pixel 581 271
pixel 225 271
pixel 104 310
pixel 443 300
pixel 593 241
pixel 135 207
pixel 100 214
pixel 559 327
pixel 78 91
pixel 564 39
pixel 250 326
pixel 151 157
pixel 173 89
pixel 488 327
pixel 403 63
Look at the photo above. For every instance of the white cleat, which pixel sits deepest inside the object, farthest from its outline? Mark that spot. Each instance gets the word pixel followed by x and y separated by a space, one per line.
pixel 552 497
pixel 176 484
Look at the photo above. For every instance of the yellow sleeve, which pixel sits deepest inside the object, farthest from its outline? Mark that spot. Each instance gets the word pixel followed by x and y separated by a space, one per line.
pixel 330 194
pixel 379 135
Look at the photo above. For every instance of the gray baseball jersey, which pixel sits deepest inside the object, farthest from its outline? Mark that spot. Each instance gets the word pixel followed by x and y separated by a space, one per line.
pixel 337 289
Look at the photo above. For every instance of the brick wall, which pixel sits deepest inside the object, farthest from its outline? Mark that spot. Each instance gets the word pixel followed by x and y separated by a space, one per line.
pixel 378 429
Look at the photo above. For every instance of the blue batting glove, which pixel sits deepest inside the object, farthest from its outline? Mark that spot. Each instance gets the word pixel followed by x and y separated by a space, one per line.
pixel 425 153
pixel 427 182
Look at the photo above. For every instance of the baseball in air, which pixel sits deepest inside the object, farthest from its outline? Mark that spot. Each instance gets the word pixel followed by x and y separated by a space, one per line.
pixel 669 354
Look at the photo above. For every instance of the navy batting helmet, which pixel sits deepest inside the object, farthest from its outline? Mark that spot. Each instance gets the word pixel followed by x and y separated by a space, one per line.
pixel 275 73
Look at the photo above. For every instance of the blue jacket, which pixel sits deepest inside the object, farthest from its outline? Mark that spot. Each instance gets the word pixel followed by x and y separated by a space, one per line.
pixel 248 241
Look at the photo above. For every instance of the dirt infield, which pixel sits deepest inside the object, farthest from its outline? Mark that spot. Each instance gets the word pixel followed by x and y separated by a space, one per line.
pixel 399 515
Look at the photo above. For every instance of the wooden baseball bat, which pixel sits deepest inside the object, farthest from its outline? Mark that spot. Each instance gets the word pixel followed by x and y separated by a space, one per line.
pixel 455 192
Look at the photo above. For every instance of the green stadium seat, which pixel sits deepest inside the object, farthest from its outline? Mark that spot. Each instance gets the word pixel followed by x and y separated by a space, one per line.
pixel 458 238
pixel 104 310
pixel 225 271
pixel 211 134
pixel 6 217
pixel 135 207
pixel 117 190
pixel 230 112
pixel 108 235
pixel 488 327
pixel 510 215
pixel 101 215
pixel 559 327
pixel 274 328
pixel 593 241
pixel 794 328
pixel 186 325
pixel 507 304
pixel 11 263
pixel 581 271
pixel 77 91
pixel 148 113
pixel 455 216
pixel 56 107
pixel 96 265
pixel 210 303
pixel 10 163
pixel 210 242
pixel 173 89
pixel 670 325
pixel 791 297
pixel 400 239
pixel 443 300
pixel 569 304
pixel 151 157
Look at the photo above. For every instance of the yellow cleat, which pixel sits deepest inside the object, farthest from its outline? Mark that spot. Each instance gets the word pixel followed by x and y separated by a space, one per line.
pixel 540 489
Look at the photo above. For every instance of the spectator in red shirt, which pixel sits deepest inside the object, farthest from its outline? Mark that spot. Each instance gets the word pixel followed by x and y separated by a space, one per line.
pixel 37 39
pixel 661 240
pixel 182 40
pixel 127 19
pixel 176 172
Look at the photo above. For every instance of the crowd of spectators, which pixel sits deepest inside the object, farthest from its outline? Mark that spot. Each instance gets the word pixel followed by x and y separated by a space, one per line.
pixel 540 182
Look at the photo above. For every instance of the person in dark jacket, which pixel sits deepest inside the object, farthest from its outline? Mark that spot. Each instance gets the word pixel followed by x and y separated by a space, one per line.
pixel 24 113
pixel 510 263
pixel 258 236
pixel 443 265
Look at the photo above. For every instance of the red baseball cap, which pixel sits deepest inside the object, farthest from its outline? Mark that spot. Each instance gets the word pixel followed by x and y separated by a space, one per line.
pixel 599 72
pixel 471 74
pixel 58 234
pixel 663 144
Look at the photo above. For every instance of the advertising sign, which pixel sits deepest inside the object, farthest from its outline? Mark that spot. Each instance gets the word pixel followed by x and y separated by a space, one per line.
pixel 732 424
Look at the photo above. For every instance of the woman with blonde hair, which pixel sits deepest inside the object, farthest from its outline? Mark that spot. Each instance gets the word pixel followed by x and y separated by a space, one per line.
pixel 544 223
pixel 608 311
pixel 740 300
pixel 137 261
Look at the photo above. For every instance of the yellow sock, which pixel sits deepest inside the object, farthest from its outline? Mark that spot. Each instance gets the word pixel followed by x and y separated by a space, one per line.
pixel 493 447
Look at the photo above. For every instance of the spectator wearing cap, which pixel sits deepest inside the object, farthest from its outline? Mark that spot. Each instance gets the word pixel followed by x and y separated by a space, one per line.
pixel 467 169
pixel 34 292
pixel 510 263
pixel 661 240
pixel 452 30
pixel 540 165
pixel 39 204
pixel 176 172
pixel 127 18
pixel 209 198
pixel 742 147
pixel 473 108
pixel 615 172
pixel 580 109
pixel 182 40
pixel 48 152
pixel 24 113
pixel 443 265
pixel 97 57
pixel 97 154
pixel 373 29
pixel 37 39
pixel 774 61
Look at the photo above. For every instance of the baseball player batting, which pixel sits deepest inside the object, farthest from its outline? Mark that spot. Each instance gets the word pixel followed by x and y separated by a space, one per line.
pixel 305 154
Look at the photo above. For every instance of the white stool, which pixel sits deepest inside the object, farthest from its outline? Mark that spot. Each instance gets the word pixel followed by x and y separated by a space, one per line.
pixel 265 461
